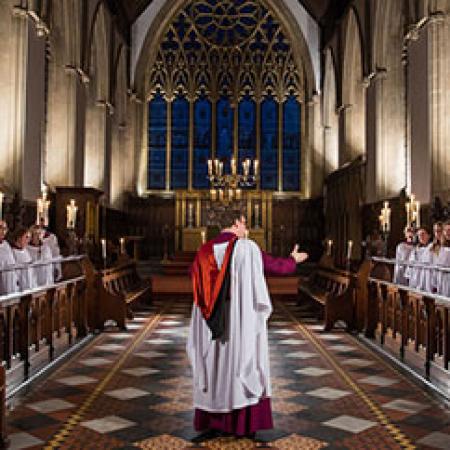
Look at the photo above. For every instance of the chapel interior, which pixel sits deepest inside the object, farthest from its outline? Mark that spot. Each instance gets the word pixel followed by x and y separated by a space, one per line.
pixel 127 127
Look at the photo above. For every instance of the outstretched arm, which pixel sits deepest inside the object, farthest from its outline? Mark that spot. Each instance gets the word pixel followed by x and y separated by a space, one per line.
pixel 283 266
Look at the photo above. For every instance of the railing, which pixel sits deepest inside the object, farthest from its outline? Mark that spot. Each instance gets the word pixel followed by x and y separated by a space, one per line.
pixel 410 323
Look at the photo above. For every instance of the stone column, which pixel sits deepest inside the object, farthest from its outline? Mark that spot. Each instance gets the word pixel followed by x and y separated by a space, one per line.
pixel 428 53
pixel 22 90
pixel 315 169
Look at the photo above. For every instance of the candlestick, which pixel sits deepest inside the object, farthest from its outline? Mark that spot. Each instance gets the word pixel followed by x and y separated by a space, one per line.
pixel 103 241
pixel 418 214
pixel 408 214
pixel 203 234
pixel 71 215
pixel 256 215
pixel 122 246
pixel 1 204
pixel 349 250
pixel 190 218
pixel 213 194
pixel 233 166
pixel 221 195
pixel 246 233
pixel 230 194
pixel 238 194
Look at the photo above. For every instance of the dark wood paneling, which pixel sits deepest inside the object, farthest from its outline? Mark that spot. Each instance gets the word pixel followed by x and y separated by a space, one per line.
pixel 297 221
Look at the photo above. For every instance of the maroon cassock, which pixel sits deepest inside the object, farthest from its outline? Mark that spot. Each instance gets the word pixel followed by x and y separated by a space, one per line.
pixel 248 420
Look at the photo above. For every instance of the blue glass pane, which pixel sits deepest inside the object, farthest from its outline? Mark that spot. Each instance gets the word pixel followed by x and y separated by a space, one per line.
pixel 202 142
pixel 225 118
pixel 157 137
pixel 180 144
pixel 291 144
pixel 269 144
pixel 247 129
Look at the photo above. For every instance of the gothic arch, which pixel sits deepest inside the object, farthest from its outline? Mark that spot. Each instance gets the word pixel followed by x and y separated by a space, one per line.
pixel 169 10
pixel 330 117
pixel 353 92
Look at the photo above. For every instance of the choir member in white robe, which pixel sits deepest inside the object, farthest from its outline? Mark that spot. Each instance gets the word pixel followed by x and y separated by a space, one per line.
pixel 402 254
pixel 8 277
pixel 443 278
pixel 428 281
pixel 417 256
pixel 51 241
pixel 40 254
pixel 26 275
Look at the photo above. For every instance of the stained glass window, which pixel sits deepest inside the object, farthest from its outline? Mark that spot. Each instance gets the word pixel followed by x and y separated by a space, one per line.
pixel 269 144
pixel 180 144
pixel 225 121
pixel 247 129
pixel 223 53
pixel 202 142
pixel 291 144
pixel 157 137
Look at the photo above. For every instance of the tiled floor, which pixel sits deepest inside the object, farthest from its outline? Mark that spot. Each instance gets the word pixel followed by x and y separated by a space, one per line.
pixel 132 390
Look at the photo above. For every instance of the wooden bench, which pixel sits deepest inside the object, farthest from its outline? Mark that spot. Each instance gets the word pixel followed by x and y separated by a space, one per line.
pixel 119 287
pixel 334 291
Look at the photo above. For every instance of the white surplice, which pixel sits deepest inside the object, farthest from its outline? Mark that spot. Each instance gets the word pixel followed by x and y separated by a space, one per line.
pixel 233 372
pixel 51 241
pixel 413 273
pixel 25 275
pixel 44 272
pixel 428 277
pixel 443 278
pixel 402 254
pixel 8 277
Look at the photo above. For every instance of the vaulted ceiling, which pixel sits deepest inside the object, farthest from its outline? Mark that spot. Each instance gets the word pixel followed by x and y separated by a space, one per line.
pixel 323 11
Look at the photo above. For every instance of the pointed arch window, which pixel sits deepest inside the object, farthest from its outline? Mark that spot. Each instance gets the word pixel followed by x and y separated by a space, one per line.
pixel 157 142
pixel 202 141
pixel 179 143
pixel 247 128
pixel 269 144
pixel 291 144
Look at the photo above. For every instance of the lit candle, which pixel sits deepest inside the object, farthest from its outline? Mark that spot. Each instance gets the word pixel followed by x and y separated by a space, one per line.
pixel 203 234
pixel 246 165
pixel 349 250
pixel 71 215
pixel 238 194
pixel 213 194
pixel 216 164
pixel 122 246
pixel 255 167
pixel 233 166
pixel 209 167
pixel 329 247
pixel 103 249
pixel 246 233
pixel 408 214
pixel 221 195
pixel 220 169
pixel 230 194
pixel 1 205
pixel 418 214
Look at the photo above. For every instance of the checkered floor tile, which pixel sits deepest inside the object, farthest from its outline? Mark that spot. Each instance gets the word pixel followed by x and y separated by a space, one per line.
pixel 133 390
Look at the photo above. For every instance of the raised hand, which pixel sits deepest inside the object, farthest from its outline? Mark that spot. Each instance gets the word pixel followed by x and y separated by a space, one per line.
pixel 299 256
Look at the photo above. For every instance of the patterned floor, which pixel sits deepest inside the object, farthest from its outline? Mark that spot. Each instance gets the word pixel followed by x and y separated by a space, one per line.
pixel 131 390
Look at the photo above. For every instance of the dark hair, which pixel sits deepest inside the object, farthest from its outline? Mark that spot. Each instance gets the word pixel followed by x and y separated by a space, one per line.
pixel 227 217
pixel 18 233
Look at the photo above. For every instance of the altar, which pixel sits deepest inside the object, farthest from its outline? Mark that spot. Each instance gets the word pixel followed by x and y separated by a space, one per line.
pixel 196 218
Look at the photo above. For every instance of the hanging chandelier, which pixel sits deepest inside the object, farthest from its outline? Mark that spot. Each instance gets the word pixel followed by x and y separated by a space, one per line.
pixel 227 187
